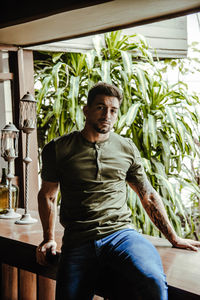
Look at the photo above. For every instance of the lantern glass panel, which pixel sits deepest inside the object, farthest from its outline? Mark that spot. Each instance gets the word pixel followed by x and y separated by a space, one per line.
pixel 27 115
pixel 9 144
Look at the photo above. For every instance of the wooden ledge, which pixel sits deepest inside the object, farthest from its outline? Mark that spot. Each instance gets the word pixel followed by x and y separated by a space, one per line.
pixel 18 245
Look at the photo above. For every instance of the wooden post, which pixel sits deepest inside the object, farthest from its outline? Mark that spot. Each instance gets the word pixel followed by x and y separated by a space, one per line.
pixel 27 286
pixel 9 286
pixel 46 288
pixel 23 70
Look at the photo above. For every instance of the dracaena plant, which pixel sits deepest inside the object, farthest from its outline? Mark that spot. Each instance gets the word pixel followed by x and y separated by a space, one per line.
pixel 160 118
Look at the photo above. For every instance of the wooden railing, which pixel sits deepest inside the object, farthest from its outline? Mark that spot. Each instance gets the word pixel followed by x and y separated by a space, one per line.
pixel 23 279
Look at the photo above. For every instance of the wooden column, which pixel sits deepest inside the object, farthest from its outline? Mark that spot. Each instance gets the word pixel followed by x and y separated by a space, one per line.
pixel 9 285
pixel 46 288
pixel 21 64
pixel 27 286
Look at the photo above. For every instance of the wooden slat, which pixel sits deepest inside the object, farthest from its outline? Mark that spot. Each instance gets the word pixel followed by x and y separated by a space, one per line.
pixel 8 47
pixel 27 286
pixel 6 76
pixel 29 11
pixel 45 288
pixel 9 289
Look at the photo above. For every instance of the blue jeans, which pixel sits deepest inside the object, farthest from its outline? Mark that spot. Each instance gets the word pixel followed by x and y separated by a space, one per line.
pixel 121 266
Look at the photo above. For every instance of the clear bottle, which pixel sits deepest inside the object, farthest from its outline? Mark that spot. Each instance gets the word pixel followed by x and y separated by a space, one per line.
pixel 4 194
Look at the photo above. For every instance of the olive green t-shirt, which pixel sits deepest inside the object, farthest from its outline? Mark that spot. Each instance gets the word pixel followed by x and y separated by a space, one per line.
pixel 93 187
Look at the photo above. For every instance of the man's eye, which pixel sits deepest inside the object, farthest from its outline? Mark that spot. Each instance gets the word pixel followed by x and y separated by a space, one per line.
pixel 100 107
pixel 113 111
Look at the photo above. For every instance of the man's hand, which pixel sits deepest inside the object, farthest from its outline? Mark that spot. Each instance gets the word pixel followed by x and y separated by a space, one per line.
pixel 42 251
pixel 186 244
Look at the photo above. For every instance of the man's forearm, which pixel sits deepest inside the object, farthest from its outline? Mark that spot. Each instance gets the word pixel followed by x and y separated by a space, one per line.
pixel 155 209
pixel 48 212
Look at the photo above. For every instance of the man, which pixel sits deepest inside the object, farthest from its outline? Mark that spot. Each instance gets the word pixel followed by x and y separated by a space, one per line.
pixel 92 168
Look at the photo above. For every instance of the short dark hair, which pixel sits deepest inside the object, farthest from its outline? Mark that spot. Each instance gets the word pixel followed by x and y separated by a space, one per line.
pixel 103 88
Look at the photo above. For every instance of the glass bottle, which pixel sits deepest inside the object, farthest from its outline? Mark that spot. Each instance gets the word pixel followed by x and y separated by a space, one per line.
pixel 4 194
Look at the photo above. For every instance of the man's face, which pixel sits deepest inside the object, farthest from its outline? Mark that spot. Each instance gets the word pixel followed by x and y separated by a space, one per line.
pixel 102 114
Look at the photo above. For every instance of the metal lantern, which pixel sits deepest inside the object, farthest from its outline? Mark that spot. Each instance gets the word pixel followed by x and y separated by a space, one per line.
pixel 9 151
pixel 9 142
pixel 27 123
pixel 27 120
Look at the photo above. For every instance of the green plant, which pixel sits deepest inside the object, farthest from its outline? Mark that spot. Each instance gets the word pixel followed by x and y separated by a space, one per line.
pixel 160 118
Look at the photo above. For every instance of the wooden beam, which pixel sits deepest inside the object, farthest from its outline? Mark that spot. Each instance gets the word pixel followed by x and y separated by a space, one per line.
pixel 6 76
pixel 86 21
pixel 29 11
pixel 8 48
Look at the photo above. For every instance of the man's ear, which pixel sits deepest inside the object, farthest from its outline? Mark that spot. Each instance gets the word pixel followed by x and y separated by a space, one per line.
pixel 85 110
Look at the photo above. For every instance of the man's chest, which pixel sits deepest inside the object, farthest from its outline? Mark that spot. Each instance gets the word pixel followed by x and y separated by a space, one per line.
pixel 97 163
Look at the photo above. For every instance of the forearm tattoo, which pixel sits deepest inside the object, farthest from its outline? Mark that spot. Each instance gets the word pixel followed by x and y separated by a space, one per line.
pixel 154 207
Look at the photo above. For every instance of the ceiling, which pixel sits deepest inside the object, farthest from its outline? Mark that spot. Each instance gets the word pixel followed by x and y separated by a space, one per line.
pixel 168 37
pixel 35 23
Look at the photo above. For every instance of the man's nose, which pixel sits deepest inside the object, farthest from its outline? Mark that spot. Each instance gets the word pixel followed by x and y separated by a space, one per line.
pixel 107 113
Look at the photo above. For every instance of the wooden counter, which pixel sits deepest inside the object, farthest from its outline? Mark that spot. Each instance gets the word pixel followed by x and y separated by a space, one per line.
pixel 17 254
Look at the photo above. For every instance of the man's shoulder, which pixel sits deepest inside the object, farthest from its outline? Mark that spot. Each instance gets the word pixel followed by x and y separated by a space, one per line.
pixel 123 141
pixel 66 138
pixel 59 145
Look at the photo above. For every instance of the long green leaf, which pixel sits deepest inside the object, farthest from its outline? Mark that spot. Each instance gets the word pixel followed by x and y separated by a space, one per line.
pixel 171 117
pixel 121 123
pixel 45 87
pixel 98 45
pixel 57 106
pixel 55 74
pixel 105 72
pixel 73 94
pixel 143 85
pixel 181 133
pixel 160 169
pixel 127 62
pixel 79 118
pixel 146 134
pixel 90 56
pixel 165 143
pixel 132 113
pixel 168 185
pixel 191 142
pixel 152 130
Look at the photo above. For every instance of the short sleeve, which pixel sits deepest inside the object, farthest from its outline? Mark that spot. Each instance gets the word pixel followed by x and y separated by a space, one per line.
pixel 136 173
pixel 49 168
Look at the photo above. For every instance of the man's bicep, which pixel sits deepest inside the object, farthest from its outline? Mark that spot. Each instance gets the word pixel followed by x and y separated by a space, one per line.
pixel 49 170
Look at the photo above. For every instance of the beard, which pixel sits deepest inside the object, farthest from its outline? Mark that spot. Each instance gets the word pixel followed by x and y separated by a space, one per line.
pixel 101 129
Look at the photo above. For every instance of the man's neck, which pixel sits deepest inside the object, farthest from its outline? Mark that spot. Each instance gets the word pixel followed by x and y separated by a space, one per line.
pixel 93 136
